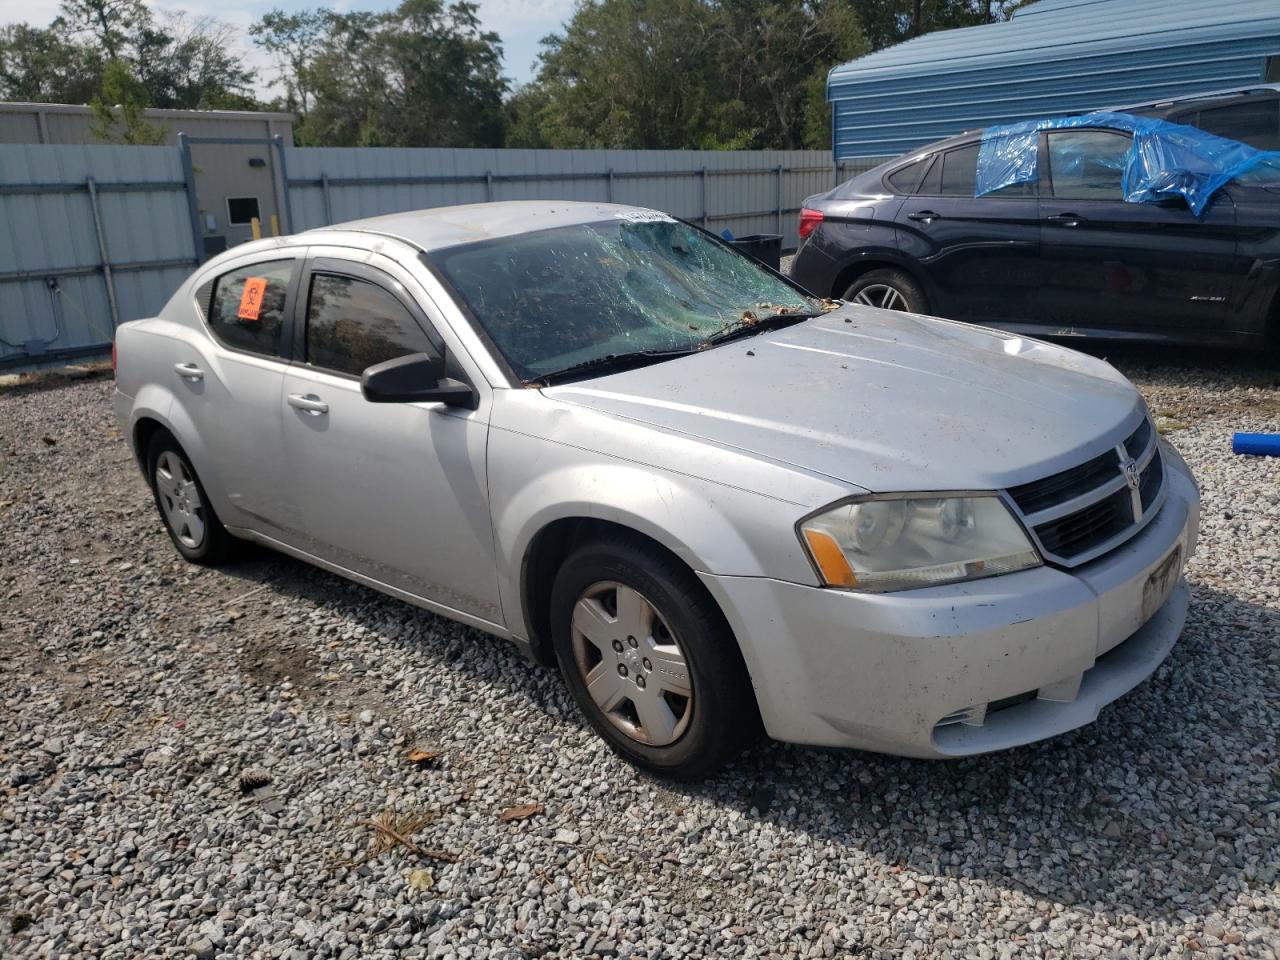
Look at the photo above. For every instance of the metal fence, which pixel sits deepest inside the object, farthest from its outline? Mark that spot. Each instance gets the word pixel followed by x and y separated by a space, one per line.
pixel 96 235
pixel 746 192
pixel 91 236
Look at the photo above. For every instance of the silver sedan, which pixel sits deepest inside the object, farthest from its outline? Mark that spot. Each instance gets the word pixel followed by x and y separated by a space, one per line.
pixel 719 504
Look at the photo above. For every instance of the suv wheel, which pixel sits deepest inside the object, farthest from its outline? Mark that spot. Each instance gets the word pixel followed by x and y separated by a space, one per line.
pixel 650 660
pixel 193 526
pixel 888 289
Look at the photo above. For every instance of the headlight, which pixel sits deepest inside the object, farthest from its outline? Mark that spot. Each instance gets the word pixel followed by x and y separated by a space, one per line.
pixel 908 540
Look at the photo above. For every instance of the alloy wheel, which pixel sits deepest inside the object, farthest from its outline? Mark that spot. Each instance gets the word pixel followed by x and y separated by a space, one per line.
pixel 632 663
pixel 881 295
pixel 180 499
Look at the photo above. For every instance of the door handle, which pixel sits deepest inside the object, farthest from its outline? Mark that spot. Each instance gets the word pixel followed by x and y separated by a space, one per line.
pixel 1065 219
pixel 925 216
pixel 188 371
pixel 308 402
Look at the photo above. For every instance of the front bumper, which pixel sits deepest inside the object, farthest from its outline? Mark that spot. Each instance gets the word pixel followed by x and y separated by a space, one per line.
pixel 966 668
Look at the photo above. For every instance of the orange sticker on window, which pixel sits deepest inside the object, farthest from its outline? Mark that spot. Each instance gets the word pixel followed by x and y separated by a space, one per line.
pixel 251 299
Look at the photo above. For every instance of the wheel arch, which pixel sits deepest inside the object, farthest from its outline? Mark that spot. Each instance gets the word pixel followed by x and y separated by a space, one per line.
pixel 546 554
pixel 144 428
pixel 880 261
pixel 147 419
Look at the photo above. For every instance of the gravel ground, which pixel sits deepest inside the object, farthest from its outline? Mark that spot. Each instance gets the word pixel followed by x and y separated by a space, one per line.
pixel 186 755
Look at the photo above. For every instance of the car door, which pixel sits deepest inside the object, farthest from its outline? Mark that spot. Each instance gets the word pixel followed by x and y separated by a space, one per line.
pixel 980 256
pixel 1110 266
pixel 228 384
pixel 392 491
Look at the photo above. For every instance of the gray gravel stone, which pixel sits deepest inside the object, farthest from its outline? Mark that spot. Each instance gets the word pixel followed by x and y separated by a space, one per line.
pixel 138 688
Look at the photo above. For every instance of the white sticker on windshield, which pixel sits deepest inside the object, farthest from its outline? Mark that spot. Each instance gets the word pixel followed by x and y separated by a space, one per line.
pixel 644 216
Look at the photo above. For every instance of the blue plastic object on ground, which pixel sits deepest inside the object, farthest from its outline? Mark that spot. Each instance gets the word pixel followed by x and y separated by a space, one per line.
pixel 1256 444
pixel 1165 159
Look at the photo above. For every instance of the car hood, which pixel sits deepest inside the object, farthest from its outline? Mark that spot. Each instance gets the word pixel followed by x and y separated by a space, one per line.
pixel 885 401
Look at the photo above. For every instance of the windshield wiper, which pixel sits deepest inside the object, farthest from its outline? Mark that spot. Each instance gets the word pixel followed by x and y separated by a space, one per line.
pixel 750 324
pixel 610 363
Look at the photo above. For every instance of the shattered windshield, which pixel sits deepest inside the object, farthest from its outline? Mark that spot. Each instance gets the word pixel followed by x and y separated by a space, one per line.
pixel 641 283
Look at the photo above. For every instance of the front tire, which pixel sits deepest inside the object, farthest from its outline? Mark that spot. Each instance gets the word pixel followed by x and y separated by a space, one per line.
pixel 649 659
pixel 190 520
pixel 887 289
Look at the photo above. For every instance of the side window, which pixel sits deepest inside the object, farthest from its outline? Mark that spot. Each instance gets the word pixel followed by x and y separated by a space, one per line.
pixel 1256 122
pixel 353 324
pixel 931 186
pixel 903 180
pixel 1087 164
pixel 959 170
pixel 247 312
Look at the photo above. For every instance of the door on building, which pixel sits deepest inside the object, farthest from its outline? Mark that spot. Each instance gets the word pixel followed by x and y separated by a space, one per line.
pixel 237 180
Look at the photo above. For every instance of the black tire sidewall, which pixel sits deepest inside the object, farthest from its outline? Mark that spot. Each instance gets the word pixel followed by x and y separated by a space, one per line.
pixel 720 724
pixel 215 543
pixel 900 281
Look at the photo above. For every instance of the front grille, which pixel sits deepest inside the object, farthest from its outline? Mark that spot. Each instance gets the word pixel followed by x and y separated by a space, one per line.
pixel 1152 479
pixel 1138 440
pixel 1069 483
pixel 1108 506
pixel 1085 529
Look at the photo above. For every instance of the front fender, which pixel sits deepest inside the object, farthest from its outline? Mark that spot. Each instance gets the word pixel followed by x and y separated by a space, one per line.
pixel 713 528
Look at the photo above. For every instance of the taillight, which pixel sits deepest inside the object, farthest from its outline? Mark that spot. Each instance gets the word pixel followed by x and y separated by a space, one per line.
pixel 113 358
pixel 810 220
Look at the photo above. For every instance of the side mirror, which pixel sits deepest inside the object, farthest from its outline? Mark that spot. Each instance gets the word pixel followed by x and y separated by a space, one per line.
pixel 417 378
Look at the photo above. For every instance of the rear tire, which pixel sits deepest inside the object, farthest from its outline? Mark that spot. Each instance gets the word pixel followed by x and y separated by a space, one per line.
pixel 888 289
pixel 184 507
pixel 650 660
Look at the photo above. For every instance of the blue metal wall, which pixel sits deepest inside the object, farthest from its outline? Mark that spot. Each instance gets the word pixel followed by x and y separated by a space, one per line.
pixel 1054 56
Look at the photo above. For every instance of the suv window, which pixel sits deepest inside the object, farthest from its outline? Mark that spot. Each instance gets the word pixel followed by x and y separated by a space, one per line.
pixel 955 175
pixel 1087 164
pixel 353 324
pixel 1256 122
pixel 959 171
pixel 247 311
pixel 903 180
pixel 931 185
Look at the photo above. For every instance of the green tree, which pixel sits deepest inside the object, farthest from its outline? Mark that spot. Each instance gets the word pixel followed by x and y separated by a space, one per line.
pixel 717 74
pixel 423 74
pixel 292 39
pixel 887 22
pixel 42 66
pixel 623 73
pixel 179 61
pixel 118 109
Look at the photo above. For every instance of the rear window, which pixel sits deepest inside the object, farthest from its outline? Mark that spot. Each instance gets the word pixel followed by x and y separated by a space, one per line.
pixel 247 312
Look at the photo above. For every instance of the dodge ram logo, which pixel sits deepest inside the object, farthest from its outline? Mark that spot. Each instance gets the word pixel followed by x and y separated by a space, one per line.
pixel 1131 475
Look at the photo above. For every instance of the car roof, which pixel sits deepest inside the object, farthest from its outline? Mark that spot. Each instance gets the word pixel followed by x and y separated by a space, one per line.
pixel 1209 98
pixel 440 227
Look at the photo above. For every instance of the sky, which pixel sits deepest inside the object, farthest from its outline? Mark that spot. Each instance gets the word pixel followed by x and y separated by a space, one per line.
pixel 520 24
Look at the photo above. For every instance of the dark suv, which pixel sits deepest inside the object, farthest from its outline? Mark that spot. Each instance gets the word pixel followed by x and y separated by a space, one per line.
pixel 1066 256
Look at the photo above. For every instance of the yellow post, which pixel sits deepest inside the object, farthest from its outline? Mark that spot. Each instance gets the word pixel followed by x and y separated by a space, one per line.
pixel 275 226
pixel 255 226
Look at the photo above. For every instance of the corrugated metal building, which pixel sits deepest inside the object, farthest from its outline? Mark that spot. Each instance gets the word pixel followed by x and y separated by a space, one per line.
pixel 1052 57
